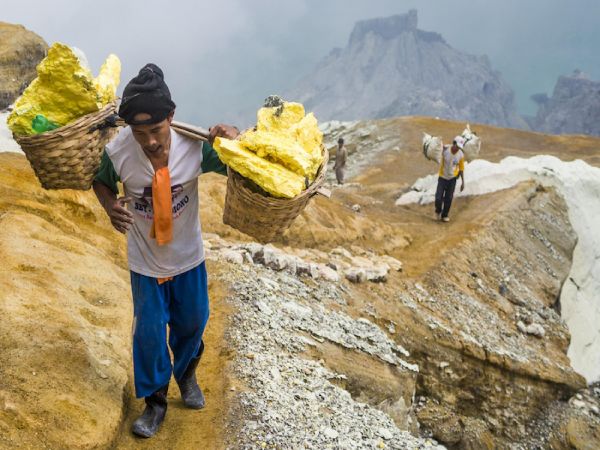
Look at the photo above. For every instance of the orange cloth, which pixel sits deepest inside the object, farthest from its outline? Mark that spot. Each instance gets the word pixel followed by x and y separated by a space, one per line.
pixel 162 226
pixel 164 280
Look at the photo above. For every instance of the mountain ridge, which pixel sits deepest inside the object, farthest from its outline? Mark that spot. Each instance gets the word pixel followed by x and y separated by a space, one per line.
pixel 574 107
pixel 392 68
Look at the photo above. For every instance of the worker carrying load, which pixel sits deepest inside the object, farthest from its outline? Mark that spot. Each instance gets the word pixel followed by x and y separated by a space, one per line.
pixel 159 170
pixel 452 167
pixel 433 145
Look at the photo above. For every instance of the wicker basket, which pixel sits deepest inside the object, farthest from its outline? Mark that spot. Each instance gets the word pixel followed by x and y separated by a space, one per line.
pixel 69 157
pixel 265 218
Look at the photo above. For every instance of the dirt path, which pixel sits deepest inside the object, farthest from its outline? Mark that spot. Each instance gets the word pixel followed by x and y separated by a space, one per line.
pixel 72 234
pixel 392 172
pixel 185 428
pixel 432 239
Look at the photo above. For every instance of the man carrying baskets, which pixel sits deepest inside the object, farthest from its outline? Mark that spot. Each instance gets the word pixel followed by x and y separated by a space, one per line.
pixel 452 166
pixel 159 169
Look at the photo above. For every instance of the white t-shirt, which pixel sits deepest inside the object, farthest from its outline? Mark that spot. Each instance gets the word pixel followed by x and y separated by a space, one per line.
pixel 450 163
pixel 135 170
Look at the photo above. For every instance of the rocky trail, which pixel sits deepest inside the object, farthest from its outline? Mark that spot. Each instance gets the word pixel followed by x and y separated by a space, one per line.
pixel 185 428
pixel 369 325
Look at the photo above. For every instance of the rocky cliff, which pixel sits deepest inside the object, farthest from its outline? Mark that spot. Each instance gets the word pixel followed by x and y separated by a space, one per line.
pixel 20 52
pixel 574 107
pixel 391 68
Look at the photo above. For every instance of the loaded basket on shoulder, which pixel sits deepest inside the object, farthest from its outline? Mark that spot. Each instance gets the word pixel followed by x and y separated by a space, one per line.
pixel 252 211
pixel 69 157
pixel 249 208
pixel 60 120
pixel 273 169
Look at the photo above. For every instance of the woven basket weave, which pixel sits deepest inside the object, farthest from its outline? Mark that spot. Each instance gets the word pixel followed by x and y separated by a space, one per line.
pixel 265 218
pixel 69 157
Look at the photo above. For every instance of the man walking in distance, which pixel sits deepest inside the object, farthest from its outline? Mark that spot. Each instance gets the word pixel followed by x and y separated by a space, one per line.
pixel 340 161
pixel 452 166
pixel 159 213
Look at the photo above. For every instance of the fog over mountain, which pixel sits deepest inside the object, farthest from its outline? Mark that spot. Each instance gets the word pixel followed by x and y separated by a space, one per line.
pixel 222 59
pixel 573 108
pixel 391 68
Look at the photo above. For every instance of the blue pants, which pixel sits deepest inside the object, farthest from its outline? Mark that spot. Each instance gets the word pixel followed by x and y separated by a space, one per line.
pixel 182 304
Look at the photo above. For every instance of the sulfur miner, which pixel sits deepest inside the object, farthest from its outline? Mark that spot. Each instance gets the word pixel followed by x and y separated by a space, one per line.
pixel 64 90
pixel 159 170
pixel 282 154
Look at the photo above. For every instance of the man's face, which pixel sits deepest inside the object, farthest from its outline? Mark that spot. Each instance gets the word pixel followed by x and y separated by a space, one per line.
pixel 153 138
pixel 454 148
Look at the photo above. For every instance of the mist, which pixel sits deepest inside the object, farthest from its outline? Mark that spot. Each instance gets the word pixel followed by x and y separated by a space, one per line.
pixel 222 59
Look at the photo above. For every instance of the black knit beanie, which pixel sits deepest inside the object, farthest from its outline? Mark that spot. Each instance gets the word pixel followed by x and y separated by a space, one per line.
pixel 146 93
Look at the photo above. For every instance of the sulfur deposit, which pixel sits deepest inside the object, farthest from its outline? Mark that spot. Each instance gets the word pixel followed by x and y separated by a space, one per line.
pixel 107 81
pixel 282 154
pixel 64 90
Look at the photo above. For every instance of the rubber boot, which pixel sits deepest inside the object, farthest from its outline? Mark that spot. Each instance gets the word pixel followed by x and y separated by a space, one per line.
pixel 191 394
pixel 156 407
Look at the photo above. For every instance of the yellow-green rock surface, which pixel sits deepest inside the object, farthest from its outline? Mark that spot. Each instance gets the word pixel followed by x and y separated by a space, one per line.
pixel 107 81
pixel 64 90
pixel 282 149
pixel 273 178
pixel 278 118
pixel 280 153
pixel 286 136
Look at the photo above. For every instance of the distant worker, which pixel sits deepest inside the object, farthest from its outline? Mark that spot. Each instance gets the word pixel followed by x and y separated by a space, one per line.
pixel 452 166
pixel 340 161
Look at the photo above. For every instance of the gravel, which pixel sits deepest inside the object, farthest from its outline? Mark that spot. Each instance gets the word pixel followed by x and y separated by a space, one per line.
pixel 292 402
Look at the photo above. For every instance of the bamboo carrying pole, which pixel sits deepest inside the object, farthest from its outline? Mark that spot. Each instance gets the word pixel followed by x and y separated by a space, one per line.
pixel 190 131
pixel 201 134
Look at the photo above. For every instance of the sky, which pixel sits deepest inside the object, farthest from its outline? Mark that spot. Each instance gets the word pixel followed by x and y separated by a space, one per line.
pixel 222 59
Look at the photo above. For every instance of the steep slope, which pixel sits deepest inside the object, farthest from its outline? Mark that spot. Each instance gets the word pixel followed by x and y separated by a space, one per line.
pixel 66 316
pixel 391 68
pixel 471 298
pixel 66 330
pixel 578 183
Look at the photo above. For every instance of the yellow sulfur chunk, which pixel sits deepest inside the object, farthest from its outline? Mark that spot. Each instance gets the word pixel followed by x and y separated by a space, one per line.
pixel 308 135
pixel 275 118
pixel 283 149
pixel 284 135
pixel 63 90
pixel 108 79
pixel 280 154
pixel 273 178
